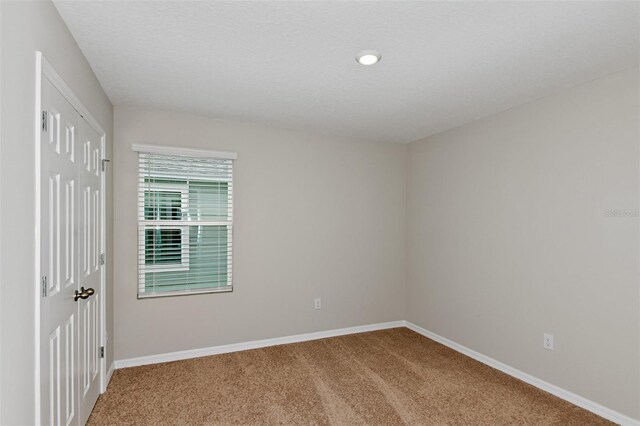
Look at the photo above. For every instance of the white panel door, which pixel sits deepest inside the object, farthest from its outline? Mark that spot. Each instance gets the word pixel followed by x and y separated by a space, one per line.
pixel 59 229
pixel 68 324
pixel 90 275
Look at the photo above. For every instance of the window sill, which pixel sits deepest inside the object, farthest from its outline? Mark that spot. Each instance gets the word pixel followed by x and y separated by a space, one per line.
pixel 228 289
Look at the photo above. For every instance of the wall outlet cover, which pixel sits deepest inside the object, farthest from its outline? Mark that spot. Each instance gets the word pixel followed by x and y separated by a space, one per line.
pixel 548 341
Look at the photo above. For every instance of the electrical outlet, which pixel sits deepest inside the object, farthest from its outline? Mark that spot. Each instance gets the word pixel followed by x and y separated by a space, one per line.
pixel 548 341
pixel 317 303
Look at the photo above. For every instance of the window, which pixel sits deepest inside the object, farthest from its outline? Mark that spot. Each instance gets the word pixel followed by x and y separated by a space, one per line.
pixel 185 221
pixel 165 246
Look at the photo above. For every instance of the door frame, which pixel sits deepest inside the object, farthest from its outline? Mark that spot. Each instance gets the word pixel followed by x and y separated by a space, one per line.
pixel 44 70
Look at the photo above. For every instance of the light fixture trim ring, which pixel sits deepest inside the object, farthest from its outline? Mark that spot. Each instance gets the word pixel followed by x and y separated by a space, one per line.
pixel 368 57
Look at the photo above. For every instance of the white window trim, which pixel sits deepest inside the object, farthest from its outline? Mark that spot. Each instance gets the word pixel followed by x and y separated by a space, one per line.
pixel 184 152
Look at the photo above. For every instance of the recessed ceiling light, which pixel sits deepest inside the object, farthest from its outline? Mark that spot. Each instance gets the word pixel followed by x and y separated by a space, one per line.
pixel 368 57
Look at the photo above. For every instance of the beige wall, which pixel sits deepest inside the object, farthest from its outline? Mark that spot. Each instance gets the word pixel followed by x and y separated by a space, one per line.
pixel 507 234
pixel 314 217
pixel 25 28
pixel 509 238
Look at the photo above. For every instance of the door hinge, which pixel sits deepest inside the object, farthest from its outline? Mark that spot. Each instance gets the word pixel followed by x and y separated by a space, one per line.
pixel 102 259
pixel 101 351
pixel 104 164
pixel 45 121
pixel 44 286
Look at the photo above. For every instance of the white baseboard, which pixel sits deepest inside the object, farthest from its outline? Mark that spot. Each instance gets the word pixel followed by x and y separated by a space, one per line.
pixel 571 397
pixel 236 347
pixel 112 368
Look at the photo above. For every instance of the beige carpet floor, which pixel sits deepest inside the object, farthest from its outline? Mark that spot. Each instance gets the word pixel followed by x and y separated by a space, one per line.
pixel 388 377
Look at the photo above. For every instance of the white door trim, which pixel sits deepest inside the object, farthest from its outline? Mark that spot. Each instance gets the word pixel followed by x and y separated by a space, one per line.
pixel 44 69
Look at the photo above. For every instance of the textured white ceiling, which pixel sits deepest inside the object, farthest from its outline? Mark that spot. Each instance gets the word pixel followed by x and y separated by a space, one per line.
pixel 291 64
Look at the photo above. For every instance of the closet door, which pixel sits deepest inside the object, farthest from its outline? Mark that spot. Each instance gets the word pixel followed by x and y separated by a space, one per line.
pixel 90 274
pixel 71 153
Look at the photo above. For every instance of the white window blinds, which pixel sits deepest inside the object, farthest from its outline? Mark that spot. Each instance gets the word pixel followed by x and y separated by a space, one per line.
pixel 185 223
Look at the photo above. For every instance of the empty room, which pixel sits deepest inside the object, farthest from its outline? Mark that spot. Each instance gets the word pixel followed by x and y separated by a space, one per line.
pixel 319 212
